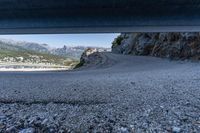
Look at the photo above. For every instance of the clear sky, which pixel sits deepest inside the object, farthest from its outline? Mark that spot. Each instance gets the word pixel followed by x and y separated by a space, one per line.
pixel 58 40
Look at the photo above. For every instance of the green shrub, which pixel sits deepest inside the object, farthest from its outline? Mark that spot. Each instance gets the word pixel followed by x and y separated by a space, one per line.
pixel 117 41
pixel 80 64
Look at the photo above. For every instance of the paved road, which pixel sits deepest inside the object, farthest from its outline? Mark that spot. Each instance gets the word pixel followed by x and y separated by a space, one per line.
pixel 123 78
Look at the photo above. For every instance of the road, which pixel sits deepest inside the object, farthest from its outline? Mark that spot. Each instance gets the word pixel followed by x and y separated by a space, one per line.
pixel 123 77
pixel 132 82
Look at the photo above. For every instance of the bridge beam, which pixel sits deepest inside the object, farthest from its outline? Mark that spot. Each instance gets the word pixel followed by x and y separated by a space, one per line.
pixel 95 16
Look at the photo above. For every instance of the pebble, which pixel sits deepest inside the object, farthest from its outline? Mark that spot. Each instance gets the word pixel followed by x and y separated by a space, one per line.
pixel 2 125
pixel 44 122
pixel 176 129
pixel 27 130
pixel 131 126
pixel 2 117
pixel 11 129
pixel 124 130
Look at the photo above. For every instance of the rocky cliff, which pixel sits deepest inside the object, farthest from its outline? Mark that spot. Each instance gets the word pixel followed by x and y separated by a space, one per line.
pixel 90 57
pixel 170 45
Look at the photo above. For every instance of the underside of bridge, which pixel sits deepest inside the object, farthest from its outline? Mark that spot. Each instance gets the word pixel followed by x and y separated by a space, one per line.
pixel 95 16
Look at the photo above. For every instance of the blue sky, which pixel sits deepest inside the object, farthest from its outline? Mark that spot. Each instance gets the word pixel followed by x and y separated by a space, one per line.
pixel 58 40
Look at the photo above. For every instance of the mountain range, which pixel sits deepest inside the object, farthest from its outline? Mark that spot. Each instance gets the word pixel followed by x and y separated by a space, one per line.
pixel 65 51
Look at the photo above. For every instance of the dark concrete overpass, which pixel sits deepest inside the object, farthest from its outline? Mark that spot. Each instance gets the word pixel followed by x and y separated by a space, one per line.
pixel 88 16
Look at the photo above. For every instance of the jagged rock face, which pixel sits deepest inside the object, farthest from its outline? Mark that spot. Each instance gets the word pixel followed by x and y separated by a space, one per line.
pixel 86 56
pixel 170 45
pixel 90 57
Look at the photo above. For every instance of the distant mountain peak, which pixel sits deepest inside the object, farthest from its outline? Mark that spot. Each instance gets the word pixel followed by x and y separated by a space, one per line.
pixel 66 51
pixel 65 47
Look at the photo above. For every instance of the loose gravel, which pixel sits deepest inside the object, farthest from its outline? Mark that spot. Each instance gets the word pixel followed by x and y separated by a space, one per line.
pixel 133 94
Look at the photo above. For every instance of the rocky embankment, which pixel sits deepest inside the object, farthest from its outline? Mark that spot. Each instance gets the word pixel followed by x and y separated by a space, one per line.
pixel 91 57
pixel 170 45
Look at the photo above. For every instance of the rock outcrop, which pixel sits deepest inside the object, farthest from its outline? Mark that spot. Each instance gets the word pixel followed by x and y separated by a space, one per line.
pixel 89 57
pixel 170 45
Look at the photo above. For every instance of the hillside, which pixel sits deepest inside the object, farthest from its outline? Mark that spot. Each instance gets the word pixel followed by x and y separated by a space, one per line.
pixel 21 54
pixel 65 51
pixel 25 56
pixel 15 56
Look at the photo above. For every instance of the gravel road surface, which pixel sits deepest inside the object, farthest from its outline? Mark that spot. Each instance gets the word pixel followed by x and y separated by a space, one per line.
pixel 120 94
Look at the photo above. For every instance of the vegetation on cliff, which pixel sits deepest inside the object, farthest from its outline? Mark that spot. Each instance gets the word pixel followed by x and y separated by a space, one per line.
pixel 168 45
